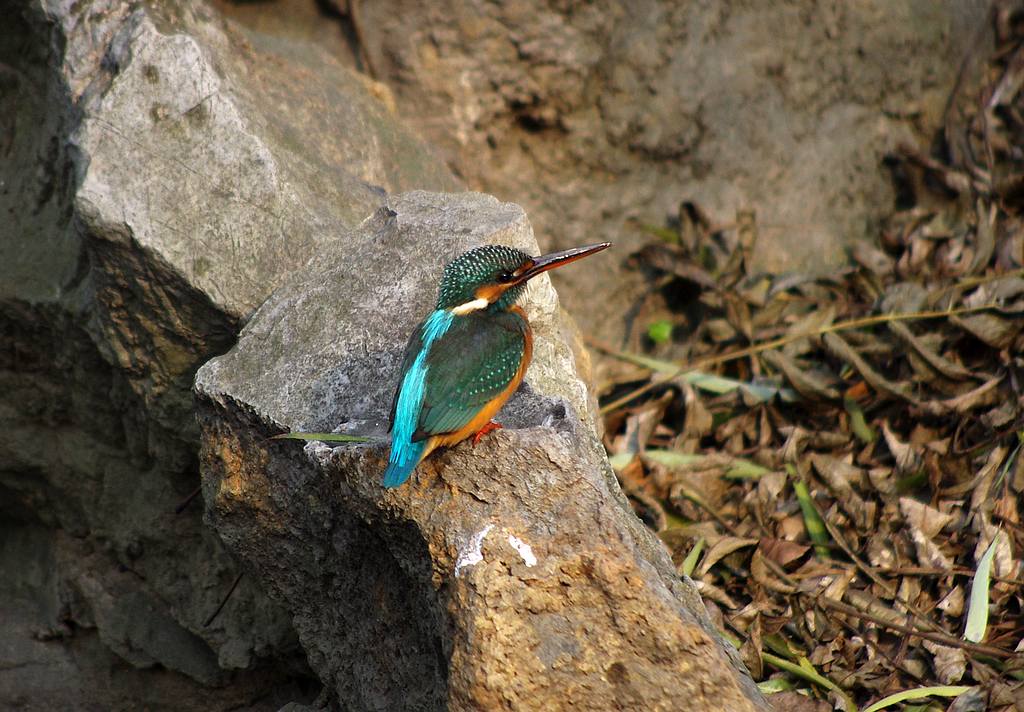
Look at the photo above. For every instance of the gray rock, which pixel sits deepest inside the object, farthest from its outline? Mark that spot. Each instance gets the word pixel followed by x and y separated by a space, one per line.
pixel 52 657
pixel 235 195
pixel 511 574
pixel 163 172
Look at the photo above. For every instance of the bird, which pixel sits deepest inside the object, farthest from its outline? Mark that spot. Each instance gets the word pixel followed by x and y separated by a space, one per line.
pixel 469 355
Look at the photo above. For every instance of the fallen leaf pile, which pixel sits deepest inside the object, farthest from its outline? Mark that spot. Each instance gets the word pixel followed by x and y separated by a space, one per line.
pixel 837 461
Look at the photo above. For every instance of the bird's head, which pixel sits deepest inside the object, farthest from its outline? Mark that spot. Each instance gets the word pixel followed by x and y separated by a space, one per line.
pixel 497 275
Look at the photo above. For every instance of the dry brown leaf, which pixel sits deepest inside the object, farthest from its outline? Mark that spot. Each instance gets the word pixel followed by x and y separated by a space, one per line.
pixel 719 550
pixel 708 590
pixel 796 441
pixel 928 520
pixel 908 460
pixel 952 604
pixel 928 552
pixel 763 575
pixel 950 663
pixel 981 495
pixel 997 331
pixel 839 476
pixel 983 395
pixel 811 324
pixel 781 551
pixel 750 651
pixel 841 349
pixel 1004 564
pixel 699 420
pixel 640 425
pixel 985 237
pixel 882 479
pixel 942 365
pixel 810 385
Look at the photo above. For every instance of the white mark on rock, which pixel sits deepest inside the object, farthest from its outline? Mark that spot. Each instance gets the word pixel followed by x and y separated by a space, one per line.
pixel 524 549
pixel 471 554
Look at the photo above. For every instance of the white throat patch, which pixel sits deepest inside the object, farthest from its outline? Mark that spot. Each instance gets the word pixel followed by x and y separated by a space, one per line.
pixel 468 307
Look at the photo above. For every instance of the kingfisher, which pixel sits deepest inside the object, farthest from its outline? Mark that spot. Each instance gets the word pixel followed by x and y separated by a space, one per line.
pixel 469 355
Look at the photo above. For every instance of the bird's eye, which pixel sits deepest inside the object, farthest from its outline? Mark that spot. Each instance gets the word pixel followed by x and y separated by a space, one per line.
pixel 505 277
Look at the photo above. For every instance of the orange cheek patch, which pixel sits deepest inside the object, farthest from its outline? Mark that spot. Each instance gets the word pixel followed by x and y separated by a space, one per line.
pixel 491 292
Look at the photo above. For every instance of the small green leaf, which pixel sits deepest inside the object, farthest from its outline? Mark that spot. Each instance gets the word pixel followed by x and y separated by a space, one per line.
pixel 660 332
pixel 782 646
pixel 776 684
pixel 812 520
pixel 912 482
pixel 326 437
pixel 674 521
pixel 858 423
pixel 977 612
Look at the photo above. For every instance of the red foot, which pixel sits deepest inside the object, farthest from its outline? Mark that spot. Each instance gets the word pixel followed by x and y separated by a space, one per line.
pixel 491 426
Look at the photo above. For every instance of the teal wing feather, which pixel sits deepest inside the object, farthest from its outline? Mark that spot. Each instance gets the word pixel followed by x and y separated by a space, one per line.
pixel 468 367
pixel 406 449
pixel 412 350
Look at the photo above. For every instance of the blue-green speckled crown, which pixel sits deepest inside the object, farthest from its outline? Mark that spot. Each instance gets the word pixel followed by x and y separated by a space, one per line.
pixel 477 267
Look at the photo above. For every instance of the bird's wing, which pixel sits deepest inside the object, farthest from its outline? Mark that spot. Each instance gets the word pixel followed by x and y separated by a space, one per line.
pixel 412 350
pixel 470 365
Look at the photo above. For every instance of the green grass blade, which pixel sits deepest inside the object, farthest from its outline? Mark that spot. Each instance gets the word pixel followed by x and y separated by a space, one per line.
pixel 805 671
pixel 858 423
pixel 736 468
pixel 326 437
pixel 917 694
pixel 1010 461
pixel 977 612
pixel 690 562
pixel 816 529
pixel 740 469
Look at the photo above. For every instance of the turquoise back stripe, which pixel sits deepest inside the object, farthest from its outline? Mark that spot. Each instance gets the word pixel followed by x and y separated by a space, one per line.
pixel 405 454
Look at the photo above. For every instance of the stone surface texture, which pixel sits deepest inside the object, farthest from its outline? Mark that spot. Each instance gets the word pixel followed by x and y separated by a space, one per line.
pixel 162 171
pixel 592 114
pixel 509 575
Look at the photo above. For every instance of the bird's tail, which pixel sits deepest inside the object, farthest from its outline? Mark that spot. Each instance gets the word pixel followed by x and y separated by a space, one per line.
pixel 403 461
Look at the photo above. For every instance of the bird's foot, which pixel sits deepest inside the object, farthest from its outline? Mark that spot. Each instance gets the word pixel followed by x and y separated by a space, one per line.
pixel 490 427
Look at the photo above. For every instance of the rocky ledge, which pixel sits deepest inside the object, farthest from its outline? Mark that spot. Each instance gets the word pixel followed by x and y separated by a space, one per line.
pixel 509 575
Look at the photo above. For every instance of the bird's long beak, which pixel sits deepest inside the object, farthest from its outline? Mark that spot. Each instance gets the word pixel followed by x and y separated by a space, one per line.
pixel 556 259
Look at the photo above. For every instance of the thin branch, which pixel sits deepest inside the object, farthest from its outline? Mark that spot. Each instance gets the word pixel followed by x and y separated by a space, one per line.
pixel 935 637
